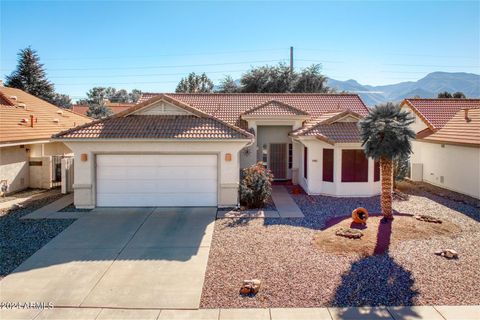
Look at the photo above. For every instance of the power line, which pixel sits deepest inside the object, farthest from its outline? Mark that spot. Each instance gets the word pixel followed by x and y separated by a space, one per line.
pixel 160 55
pixel 166 66
pixel 400 54
pixel 428 65
pixel 138 75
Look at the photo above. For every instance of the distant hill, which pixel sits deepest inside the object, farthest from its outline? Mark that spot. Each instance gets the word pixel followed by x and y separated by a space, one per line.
pixel 427 87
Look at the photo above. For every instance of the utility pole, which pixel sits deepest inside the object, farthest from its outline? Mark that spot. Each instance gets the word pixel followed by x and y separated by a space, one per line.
pixel 291 60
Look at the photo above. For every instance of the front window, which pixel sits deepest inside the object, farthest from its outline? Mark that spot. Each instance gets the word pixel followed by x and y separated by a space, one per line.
pixel 290 155
pixel 328 165
pixel 354 166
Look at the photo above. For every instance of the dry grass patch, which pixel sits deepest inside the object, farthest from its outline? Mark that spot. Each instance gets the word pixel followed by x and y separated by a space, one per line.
pixel 379 237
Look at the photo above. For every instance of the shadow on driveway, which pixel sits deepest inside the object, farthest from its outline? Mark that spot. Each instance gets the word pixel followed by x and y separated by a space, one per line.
pixel 120 257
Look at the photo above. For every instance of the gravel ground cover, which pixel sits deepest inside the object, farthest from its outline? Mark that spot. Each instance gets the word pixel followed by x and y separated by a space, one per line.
pixel 21 238
pixel 295 273
pixel 21 194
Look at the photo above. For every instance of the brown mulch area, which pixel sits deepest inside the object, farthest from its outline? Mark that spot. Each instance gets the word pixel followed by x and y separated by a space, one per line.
pixel 379 236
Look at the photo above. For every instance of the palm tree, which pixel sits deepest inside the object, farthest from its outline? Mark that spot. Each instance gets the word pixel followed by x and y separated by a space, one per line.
pixel 386 136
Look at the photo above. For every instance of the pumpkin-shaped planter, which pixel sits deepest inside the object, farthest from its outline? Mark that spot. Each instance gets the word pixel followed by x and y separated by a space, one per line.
pixel 360 215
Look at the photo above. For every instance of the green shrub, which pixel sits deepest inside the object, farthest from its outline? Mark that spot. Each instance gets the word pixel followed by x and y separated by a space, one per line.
pixel 255 186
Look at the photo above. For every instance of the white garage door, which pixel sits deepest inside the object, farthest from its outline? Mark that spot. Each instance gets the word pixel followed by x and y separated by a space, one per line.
pixel 156 180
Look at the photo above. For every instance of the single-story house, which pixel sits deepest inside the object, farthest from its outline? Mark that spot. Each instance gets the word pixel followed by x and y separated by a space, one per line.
pixel 188 149
pixel 446 151
pixel 116 107
pixel 28 156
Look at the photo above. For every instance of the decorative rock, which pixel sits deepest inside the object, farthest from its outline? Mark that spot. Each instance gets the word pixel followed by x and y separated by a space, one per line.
pixel 250 287
pixel 349 233
pixel 426 218
pixel 447 253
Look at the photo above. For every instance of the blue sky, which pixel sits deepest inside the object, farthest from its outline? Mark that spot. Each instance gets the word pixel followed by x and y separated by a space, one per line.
pixel 151 45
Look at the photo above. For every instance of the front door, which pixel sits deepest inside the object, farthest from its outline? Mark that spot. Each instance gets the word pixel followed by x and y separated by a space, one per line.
pixel 278 160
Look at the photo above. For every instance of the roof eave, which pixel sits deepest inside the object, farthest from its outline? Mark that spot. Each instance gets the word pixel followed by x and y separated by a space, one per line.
pixel 151 139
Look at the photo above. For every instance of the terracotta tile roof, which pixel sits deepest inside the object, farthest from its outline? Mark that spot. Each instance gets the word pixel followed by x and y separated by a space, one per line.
pixel 338 132
pixel 329 129
pixel 80 108
pixel 114 106
pixel 437 112
pixel 459 130
pixel 230 107
pixel 155 127
pixel 128 125
pixel 275 108
pixel 13 130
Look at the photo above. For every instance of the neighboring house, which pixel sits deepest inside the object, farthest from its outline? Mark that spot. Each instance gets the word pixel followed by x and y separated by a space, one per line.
pixel 446 152
pixel 116 107
pixel 28 157
pixel 188 149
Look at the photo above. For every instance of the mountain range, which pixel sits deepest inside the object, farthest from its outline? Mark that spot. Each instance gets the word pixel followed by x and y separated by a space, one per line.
pixel 427 87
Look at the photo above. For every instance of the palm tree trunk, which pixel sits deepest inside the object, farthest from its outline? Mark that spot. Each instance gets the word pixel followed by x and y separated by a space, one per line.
pixel 386 166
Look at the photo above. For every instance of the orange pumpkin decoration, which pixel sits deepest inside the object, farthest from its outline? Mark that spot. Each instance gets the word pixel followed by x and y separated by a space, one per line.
pixel 360 215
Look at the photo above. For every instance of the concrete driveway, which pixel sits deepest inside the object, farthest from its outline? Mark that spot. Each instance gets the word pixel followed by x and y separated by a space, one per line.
pixel 120 258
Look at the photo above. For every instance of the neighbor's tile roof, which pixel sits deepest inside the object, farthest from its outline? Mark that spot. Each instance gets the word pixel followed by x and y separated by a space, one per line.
pixel 459 130
pixel 13 130
pixel 275 108
pixel 114 106
pixel 328 128
pixel 230 106
pixel 437 112
pixel 156 127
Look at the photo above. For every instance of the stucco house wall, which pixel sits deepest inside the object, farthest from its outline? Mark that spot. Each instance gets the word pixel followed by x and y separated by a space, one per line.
pixel 228 171
pixel 452 167
pixel 314 183
pixel 14 167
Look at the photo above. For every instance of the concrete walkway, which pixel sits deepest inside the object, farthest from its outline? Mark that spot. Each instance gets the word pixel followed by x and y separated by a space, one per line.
pixel 153 258
pixel 286 207
pixel 51 208
pixel 364 313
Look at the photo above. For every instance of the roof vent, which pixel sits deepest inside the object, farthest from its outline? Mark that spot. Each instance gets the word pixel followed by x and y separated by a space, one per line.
pixel 56 120
pixel 60 112
pixel 22 105
pixel 24 120
pixel 14 98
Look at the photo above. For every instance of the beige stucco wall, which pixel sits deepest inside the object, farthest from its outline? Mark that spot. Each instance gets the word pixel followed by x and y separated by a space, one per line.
pixel 314 183
pixel 48 149
pixel 84 176
pixel 14 168
pixel 458 165
pixel 418 124
pixel 41 175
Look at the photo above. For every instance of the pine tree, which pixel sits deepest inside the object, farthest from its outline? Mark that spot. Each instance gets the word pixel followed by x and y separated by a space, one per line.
pixel 228 85
pixel 30 76
pixel 194 83
pixel 98 110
